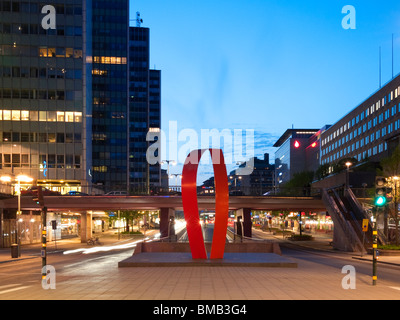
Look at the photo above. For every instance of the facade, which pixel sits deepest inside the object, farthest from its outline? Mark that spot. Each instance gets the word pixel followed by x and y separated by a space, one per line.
pixel 259 182
pixel 144 111
pixel 44 88
pixel 370 131
pixel 74 112
pixel 109 37
pixel 298 151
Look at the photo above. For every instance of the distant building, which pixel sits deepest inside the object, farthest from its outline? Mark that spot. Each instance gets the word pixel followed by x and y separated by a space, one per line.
pixel 258 182
pixel 298 151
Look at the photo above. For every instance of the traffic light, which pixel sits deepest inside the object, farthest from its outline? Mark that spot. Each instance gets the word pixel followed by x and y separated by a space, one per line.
pixel 39 197
pixel 389 194
pixel 383 193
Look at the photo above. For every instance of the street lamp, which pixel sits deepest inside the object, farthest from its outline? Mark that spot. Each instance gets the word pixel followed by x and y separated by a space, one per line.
pixel 173 162
pixel 348 164
pixel 234 179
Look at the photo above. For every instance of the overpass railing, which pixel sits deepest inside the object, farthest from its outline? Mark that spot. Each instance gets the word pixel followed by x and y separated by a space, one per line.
pixel 210 191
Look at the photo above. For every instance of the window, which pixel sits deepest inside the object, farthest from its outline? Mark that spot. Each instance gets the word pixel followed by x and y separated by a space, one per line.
pixel 7 136
pixel 25 160
pixel 51 116
pixel 69 117
pixel 51 137
pixel 42 115
pixel 6 114
pixel 34 115
pixel 24 136
pixel 60 138
pixel 60 116
pixel 16 160
pixel 60 161
pixel 78 116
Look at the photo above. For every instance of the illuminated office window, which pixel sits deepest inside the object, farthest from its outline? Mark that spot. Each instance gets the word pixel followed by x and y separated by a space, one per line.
pixel 78 116
pixel 16 115
pixel 25 115
pixel 42 115
pixel 69 117
pixel 60 116
pixel 6 114
pixel 43 52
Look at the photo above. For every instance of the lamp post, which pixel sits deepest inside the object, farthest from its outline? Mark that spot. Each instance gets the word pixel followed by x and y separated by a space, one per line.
pixel 348 164
pixel 168 162
pixel 396 209
pixel 234 179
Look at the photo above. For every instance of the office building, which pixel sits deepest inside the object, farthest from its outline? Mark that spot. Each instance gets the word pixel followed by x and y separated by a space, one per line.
pixel 297 152
pixel 109 37
pixel 45 94
pixel 368 132
pixel 144 111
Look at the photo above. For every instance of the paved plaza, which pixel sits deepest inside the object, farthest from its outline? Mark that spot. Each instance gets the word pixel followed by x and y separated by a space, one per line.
pixel 100 278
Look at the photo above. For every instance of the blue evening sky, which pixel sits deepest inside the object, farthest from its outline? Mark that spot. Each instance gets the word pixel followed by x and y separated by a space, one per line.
pixel 267 65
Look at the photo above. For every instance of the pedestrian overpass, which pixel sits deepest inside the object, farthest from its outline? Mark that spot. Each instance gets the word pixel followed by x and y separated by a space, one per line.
pixel 167 205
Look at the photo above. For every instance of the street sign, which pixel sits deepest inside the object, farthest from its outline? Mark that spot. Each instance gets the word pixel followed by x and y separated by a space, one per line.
pixel 365 225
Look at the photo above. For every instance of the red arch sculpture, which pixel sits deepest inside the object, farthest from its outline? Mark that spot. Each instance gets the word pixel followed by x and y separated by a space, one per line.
pixel 190 204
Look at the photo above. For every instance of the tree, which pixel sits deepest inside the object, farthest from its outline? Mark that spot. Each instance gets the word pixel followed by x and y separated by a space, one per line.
pixel 130 216
pixel 322 171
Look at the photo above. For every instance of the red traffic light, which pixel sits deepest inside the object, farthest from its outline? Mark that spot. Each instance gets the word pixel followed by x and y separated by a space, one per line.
pixel 38 198
pixel 297 144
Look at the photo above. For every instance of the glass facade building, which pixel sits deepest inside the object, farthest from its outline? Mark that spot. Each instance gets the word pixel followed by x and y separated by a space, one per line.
pixel 144 111
pixel 110 25
pixel 43 90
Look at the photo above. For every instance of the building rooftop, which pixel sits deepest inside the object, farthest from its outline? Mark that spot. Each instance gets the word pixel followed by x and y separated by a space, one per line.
pixel 289 133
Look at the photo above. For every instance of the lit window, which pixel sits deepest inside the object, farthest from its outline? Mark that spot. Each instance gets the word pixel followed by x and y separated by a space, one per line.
pixel 16 115
pixel 69 117
pixel 42 52
pixel 60 116
pixel 6 114
pixel 25 115
pixel 42 115
pixel 78 116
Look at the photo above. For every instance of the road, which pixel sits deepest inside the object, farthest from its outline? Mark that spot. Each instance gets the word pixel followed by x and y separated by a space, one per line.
pixel 97 276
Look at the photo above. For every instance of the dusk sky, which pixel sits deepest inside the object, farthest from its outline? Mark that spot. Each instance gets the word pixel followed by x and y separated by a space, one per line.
pixel 267 65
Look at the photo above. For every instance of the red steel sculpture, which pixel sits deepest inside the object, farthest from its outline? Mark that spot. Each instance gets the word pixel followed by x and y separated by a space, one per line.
pixel 190 204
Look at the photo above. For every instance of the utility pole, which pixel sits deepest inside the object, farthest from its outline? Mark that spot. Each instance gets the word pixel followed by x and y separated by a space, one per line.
pixel 375 248
pixel 44 242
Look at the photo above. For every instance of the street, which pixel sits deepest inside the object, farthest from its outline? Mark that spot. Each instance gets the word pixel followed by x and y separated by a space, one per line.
pixel 96 276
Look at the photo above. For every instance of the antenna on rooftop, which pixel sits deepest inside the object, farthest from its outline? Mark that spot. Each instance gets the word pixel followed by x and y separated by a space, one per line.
pixel 139 20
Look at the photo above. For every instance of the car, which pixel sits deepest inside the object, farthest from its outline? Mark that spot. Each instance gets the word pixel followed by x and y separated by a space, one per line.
pixel 32 191
pixel 117 193
pixel 76 193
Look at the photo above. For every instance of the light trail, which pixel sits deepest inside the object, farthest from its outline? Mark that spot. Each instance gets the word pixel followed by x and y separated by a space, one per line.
pixel 179 225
